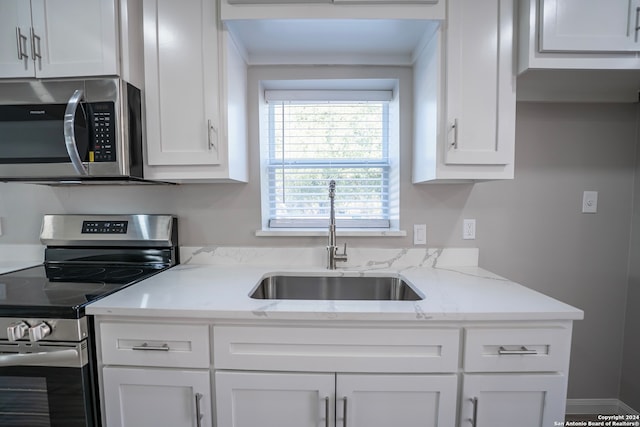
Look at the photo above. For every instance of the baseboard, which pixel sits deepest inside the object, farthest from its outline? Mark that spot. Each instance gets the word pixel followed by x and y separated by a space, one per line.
pixel 598 406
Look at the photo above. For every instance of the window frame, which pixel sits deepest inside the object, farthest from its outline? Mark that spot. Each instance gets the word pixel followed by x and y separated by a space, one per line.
pixel 355 88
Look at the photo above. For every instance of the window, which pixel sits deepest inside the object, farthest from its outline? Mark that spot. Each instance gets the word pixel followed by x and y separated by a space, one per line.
pixel 316 136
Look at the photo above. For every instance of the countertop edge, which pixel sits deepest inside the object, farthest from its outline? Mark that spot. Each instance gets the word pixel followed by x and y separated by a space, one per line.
pixel 425 318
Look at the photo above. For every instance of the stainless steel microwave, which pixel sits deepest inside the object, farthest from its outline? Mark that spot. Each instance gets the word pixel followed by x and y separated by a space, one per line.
pixel 71 131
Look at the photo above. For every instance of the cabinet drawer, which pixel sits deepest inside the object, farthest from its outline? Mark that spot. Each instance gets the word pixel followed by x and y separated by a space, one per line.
pixel 179 346
pixel 517 349
pixel 336 349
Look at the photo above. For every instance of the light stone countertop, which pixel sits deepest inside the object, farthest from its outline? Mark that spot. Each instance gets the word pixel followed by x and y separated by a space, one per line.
pixel 219 288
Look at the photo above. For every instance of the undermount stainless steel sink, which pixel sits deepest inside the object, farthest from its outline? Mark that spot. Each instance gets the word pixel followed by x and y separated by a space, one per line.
pixel 335 288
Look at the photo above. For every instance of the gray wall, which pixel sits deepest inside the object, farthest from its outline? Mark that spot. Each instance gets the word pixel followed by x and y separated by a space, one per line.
pixel 630 381
pixel 537 235
pixel 529 229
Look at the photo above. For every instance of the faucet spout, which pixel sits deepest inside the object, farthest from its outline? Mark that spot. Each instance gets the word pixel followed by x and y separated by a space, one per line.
pixel 332 249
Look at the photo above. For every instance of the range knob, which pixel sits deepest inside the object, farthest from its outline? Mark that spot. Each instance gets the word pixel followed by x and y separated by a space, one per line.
pixel 16 331
pixel 39 332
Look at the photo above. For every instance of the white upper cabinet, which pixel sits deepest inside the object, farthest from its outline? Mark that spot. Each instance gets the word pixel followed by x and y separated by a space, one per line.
pixel 480 83
pixel 181 75
pixel 15 39
pixel 464 96
pixel 195 94
pixel 579 35
pixel 579 51
pixel 593 26
pixel 58 38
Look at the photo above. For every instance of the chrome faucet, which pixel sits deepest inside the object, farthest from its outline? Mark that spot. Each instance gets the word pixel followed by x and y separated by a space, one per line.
pixel 332 249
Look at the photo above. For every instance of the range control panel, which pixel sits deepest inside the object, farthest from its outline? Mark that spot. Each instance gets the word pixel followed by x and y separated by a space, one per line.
pixel 104 227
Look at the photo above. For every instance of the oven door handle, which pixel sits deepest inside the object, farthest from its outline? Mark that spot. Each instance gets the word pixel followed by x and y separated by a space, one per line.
pixel 55 358
pixel 70 132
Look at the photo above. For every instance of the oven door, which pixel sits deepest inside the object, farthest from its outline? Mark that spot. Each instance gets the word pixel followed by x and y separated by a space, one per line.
pixel 46 385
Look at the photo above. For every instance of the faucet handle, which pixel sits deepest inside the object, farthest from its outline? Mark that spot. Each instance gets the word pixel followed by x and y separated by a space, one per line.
pixel 343 256
pixel 344 251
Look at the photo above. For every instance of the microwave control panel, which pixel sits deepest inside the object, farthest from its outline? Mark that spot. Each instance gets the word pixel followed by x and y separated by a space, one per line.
pixel 103 134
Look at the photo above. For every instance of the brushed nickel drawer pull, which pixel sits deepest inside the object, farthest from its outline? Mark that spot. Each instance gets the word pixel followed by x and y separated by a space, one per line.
pixel 326 411
pixel 22 42
pixel 454 128
pixel 474 420
pixel 36 52
pixel 344 411
pixel 198 410
pixel 522 351
pixel 147 347
pixel 637 26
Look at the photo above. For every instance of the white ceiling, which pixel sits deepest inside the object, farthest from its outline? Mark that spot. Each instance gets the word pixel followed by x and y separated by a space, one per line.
pixel 344 41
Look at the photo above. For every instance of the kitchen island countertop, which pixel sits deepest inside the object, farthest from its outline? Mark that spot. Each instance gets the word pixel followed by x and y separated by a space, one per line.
pixel 222 292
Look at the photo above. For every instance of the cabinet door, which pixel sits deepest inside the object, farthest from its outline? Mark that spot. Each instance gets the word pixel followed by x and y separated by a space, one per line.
pixel 525 400
pixel 248 399
pixel 15 46
pixel 480 83
pixel 154 397
pixel 74 37
pixel 371 400
pixel 596 26
pixel 181 75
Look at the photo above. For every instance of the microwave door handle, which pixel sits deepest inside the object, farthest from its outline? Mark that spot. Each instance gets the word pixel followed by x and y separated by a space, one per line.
pixel 70 133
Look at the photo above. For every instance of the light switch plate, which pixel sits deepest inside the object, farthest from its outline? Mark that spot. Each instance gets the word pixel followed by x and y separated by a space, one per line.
pixel 419 234
pixel 590 202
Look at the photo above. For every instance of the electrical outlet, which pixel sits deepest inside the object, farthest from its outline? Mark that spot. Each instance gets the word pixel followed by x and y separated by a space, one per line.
pixel 469 229
pixel 419 234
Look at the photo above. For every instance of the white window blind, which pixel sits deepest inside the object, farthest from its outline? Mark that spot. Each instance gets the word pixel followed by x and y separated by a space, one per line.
pixel 317 136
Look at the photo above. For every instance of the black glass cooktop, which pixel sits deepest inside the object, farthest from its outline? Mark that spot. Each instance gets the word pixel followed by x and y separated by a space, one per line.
pixel 61 290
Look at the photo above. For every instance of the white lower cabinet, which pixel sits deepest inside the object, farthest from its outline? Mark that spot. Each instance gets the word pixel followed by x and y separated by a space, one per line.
pixel 248 399
pixel 506 400
pixel 382 400
pixel 515 375
pixel 142 397
pixel 158 372
pixel 155 373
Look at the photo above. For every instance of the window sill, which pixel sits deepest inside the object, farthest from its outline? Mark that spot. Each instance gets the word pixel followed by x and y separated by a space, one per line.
pixel 343 232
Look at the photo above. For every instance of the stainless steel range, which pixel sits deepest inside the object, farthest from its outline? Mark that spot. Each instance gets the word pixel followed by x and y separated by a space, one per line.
pixel 47 360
